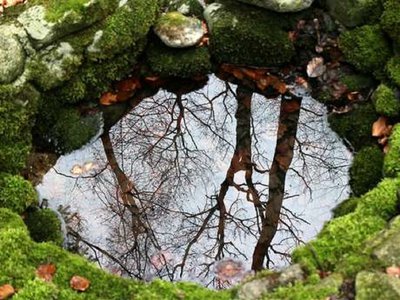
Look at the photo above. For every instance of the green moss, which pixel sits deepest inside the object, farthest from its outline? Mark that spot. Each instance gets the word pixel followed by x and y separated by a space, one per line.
pixel 366 48
pixel 301 291
pixel 386 102
pixel 377 285
pixel 366 170
pixel 341 236
pixel 357 82
pixel 355 12
pixel 355 126
pixel 44 226
pixel 345 207
pixel 390 19
pixel 242 34
pixel 391 166
pixel 9 219
pixel 16 193
pixel 183 63
pixel 37 289
pixel 393 69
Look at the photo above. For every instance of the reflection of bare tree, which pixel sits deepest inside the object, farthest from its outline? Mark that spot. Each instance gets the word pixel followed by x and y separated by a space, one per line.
pixel 162 154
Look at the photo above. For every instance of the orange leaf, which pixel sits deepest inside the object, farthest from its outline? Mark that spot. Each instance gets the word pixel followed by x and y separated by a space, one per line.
pixel 46 272
pixel 253 74
pixel 393 271
pixel 6 291
pixel 108 99
pixel 79 283
pixel 128 85
pixel 380 127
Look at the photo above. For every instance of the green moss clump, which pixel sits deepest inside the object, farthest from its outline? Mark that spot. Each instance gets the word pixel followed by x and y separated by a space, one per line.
pixel 44 226
pixel 366 48
pixel 244 35
pixel 355 126
pixel 391 165
pixel 345 207
pixel 9 219
pixel 393 69
pixel 366 170
pixel 357 82
pixel 386 102
pixel 184 63
pixel 390 19
pixel 355 12
pixel 37 289
pixel 16 193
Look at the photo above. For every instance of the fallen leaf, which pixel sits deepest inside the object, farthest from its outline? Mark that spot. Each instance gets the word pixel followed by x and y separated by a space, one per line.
pixel 79 283
pixel 381 127
pixel 393 271
pixel 353 96
pixel 6 291
pixel 128 85
pixel 316 67
pixel 108 99
pixel 46 271
pixel 76 170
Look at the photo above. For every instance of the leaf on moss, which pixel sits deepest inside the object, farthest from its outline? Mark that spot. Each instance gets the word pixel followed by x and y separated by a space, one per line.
pixel 79 283
pixel 393 271
pixel 108 99
pixel 381 127
pixel 46 271
pixel 6 291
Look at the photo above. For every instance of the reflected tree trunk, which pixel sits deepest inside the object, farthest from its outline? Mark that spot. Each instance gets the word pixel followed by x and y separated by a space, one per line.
pixel 286 137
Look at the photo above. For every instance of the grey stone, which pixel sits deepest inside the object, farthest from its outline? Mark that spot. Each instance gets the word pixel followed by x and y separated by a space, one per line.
pixel 291 274
pixel 254 289
pixel 12 58
pixel 387 244
pixel 377 286
pixel 179 31
pixel 281 5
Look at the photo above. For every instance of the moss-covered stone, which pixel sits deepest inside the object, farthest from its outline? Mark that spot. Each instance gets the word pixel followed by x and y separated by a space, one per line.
pixel 9 219
pixel 393 69
pixel 374 285
pixel 241 34
pixel 16 193
pixel 345 207
pixel 390 19
pixel 186 7
pixel 366 48
pixel 357 82
pixel 355 12
pixel 391 166
pixel 366 170
pixel 183 63
pixel 44 226
pixel 386 102
pixel 355 126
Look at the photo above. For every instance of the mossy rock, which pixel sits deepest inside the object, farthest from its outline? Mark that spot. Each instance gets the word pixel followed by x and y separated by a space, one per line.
pixel 390 19
pixel 245 35
pixel 355 126
pixel 44 226
pixel 10 219
pixel 366 170
pixel 385 101
pixel 366 48
pixel 186 7
pixel 353 13
pixel 391 166
pixel 377 285
pixel 184 63
pixel 347 206
pixel 357 82
pixel 393 69
pixel 16 193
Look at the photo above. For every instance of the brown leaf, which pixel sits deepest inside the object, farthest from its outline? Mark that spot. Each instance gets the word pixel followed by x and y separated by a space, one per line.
pixel 46 271
pixel 79 283
pixel 128 85
pixel 108 99
pixel 380 127
pixel 353 96
pixel 6 291
pixel 316 67
pixel 393 271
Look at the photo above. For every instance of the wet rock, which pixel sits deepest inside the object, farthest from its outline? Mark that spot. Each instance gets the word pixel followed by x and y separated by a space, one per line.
pixel 387 245
pixel 12 58
pixel 281 5
pixel 371 285
pixel 178 31
pixel 255 288
pixel 186 7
